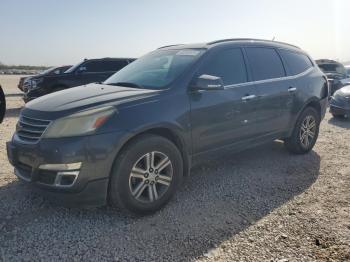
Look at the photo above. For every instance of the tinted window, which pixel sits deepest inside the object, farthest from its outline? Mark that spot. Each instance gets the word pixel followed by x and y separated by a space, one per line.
pixel 296 62
pixel 227 64
pixel 265 63
pixel 91 66
pixel 105 66
pixel 115 65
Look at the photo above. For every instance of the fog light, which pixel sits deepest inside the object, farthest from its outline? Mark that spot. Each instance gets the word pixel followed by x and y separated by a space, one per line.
pixel 66 178
pixel 61 167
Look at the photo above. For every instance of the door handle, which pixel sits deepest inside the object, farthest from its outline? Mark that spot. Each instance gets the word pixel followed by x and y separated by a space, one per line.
pixel 292 89
pixel 248 97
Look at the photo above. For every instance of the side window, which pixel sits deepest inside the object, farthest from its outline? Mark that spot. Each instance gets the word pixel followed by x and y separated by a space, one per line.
pixel 104 65
pixel 114 65
pixel 296 62
pixel 227 64
pixel 91 66
pixel 265 63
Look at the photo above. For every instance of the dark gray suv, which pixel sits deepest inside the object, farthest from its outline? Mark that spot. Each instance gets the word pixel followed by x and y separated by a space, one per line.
pixel 131 139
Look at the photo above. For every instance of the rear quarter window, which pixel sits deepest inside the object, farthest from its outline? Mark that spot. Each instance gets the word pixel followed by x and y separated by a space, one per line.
pixel 296 62
pixel 265 63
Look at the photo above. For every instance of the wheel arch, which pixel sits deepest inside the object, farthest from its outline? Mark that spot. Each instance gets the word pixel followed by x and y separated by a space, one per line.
pixel 169 133
pixel 313 102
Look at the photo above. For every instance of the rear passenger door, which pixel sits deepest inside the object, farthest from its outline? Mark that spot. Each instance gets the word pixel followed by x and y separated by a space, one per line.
pixel 273 88
pixel 298 65
pixel 220 118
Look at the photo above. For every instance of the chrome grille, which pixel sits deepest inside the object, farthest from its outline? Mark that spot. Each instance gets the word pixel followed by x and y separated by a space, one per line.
pixel 30 130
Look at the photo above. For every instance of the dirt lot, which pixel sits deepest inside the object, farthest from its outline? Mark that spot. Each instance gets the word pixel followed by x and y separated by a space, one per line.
pixel 260 205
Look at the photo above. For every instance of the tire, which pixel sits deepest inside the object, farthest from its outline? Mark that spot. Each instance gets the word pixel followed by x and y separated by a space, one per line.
pixel 126 186
pixel 2 105
pixel 297 143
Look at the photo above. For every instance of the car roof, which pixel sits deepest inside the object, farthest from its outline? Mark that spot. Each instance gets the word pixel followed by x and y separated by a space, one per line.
pixel 233 41
pixel 110 58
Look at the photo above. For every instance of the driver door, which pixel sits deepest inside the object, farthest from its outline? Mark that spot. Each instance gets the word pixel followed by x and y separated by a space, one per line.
pixel 221 118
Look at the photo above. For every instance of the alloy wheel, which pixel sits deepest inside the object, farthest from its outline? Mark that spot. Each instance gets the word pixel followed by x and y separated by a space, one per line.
pixel 150 177
pixel 307 131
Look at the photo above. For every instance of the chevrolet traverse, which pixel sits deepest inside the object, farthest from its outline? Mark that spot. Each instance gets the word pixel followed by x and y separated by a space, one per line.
pixel 130 140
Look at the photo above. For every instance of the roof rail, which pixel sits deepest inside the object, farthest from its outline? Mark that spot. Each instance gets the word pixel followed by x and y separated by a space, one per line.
pixel 168 46
pixel 248 39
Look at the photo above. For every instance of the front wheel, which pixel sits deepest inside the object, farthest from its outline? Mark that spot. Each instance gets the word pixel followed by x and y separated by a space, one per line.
pixel 146 174
pixel 305 132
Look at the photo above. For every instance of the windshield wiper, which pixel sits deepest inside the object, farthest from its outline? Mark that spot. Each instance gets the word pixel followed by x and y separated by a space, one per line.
pixel 127 84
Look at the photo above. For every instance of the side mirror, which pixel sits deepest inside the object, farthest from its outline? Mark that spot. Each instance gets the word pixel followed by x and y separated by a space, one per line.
pixel 208 82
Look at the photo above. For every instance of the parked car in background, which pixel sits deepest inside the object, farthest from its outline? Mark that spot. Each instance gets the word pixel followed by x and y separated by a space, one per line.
pixel 340 102
pixel 130 139
pixel 335 73
pixel 347 67
pixel 24 82
pixel 347 80
pixel 2 105
pixel 88 71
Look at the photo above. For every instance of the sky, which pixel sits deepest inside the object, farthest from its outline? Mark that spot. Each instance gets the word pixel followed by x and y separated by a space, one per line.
pixel 57 32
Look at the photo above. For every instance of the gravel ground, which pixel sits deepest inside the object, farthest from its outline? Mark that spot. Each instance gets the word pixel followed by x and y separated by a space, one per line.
pixel 260 205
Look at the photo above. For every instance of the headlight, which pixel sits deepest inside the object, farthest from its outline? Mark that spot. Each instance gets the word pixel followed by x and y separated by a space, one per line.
pixel 81 123
pixel 35 82
pixel 338 95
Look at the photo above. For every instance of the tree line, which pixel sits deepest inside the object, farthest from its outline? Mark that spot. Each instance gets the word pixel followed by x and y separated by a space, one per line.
pixel 21 67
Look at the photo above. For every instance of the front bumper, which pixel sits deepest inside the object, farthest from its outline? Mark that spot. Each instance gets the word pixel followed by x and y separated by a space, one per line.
pixel 30 94
pixel 96 153
pixel 339 107
pixel 339 111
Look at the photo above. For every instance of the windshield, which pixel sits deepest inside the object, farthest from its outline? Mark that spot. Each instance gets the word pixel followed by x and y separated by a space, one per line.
pixel 72 69
pixel 47 71
pixel 333 68
pixel 157 69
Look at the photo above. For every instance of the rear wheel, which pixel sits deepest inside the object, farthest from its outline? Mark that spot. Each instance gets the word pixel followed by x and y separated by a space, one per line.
pixel 305 132
pixel 146 174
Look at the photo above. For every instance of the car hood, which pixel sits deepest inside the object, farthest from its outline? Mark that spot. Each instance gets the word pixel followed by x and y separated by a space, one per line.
pixel 87 96
pixel 345 81
pixel 345 91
